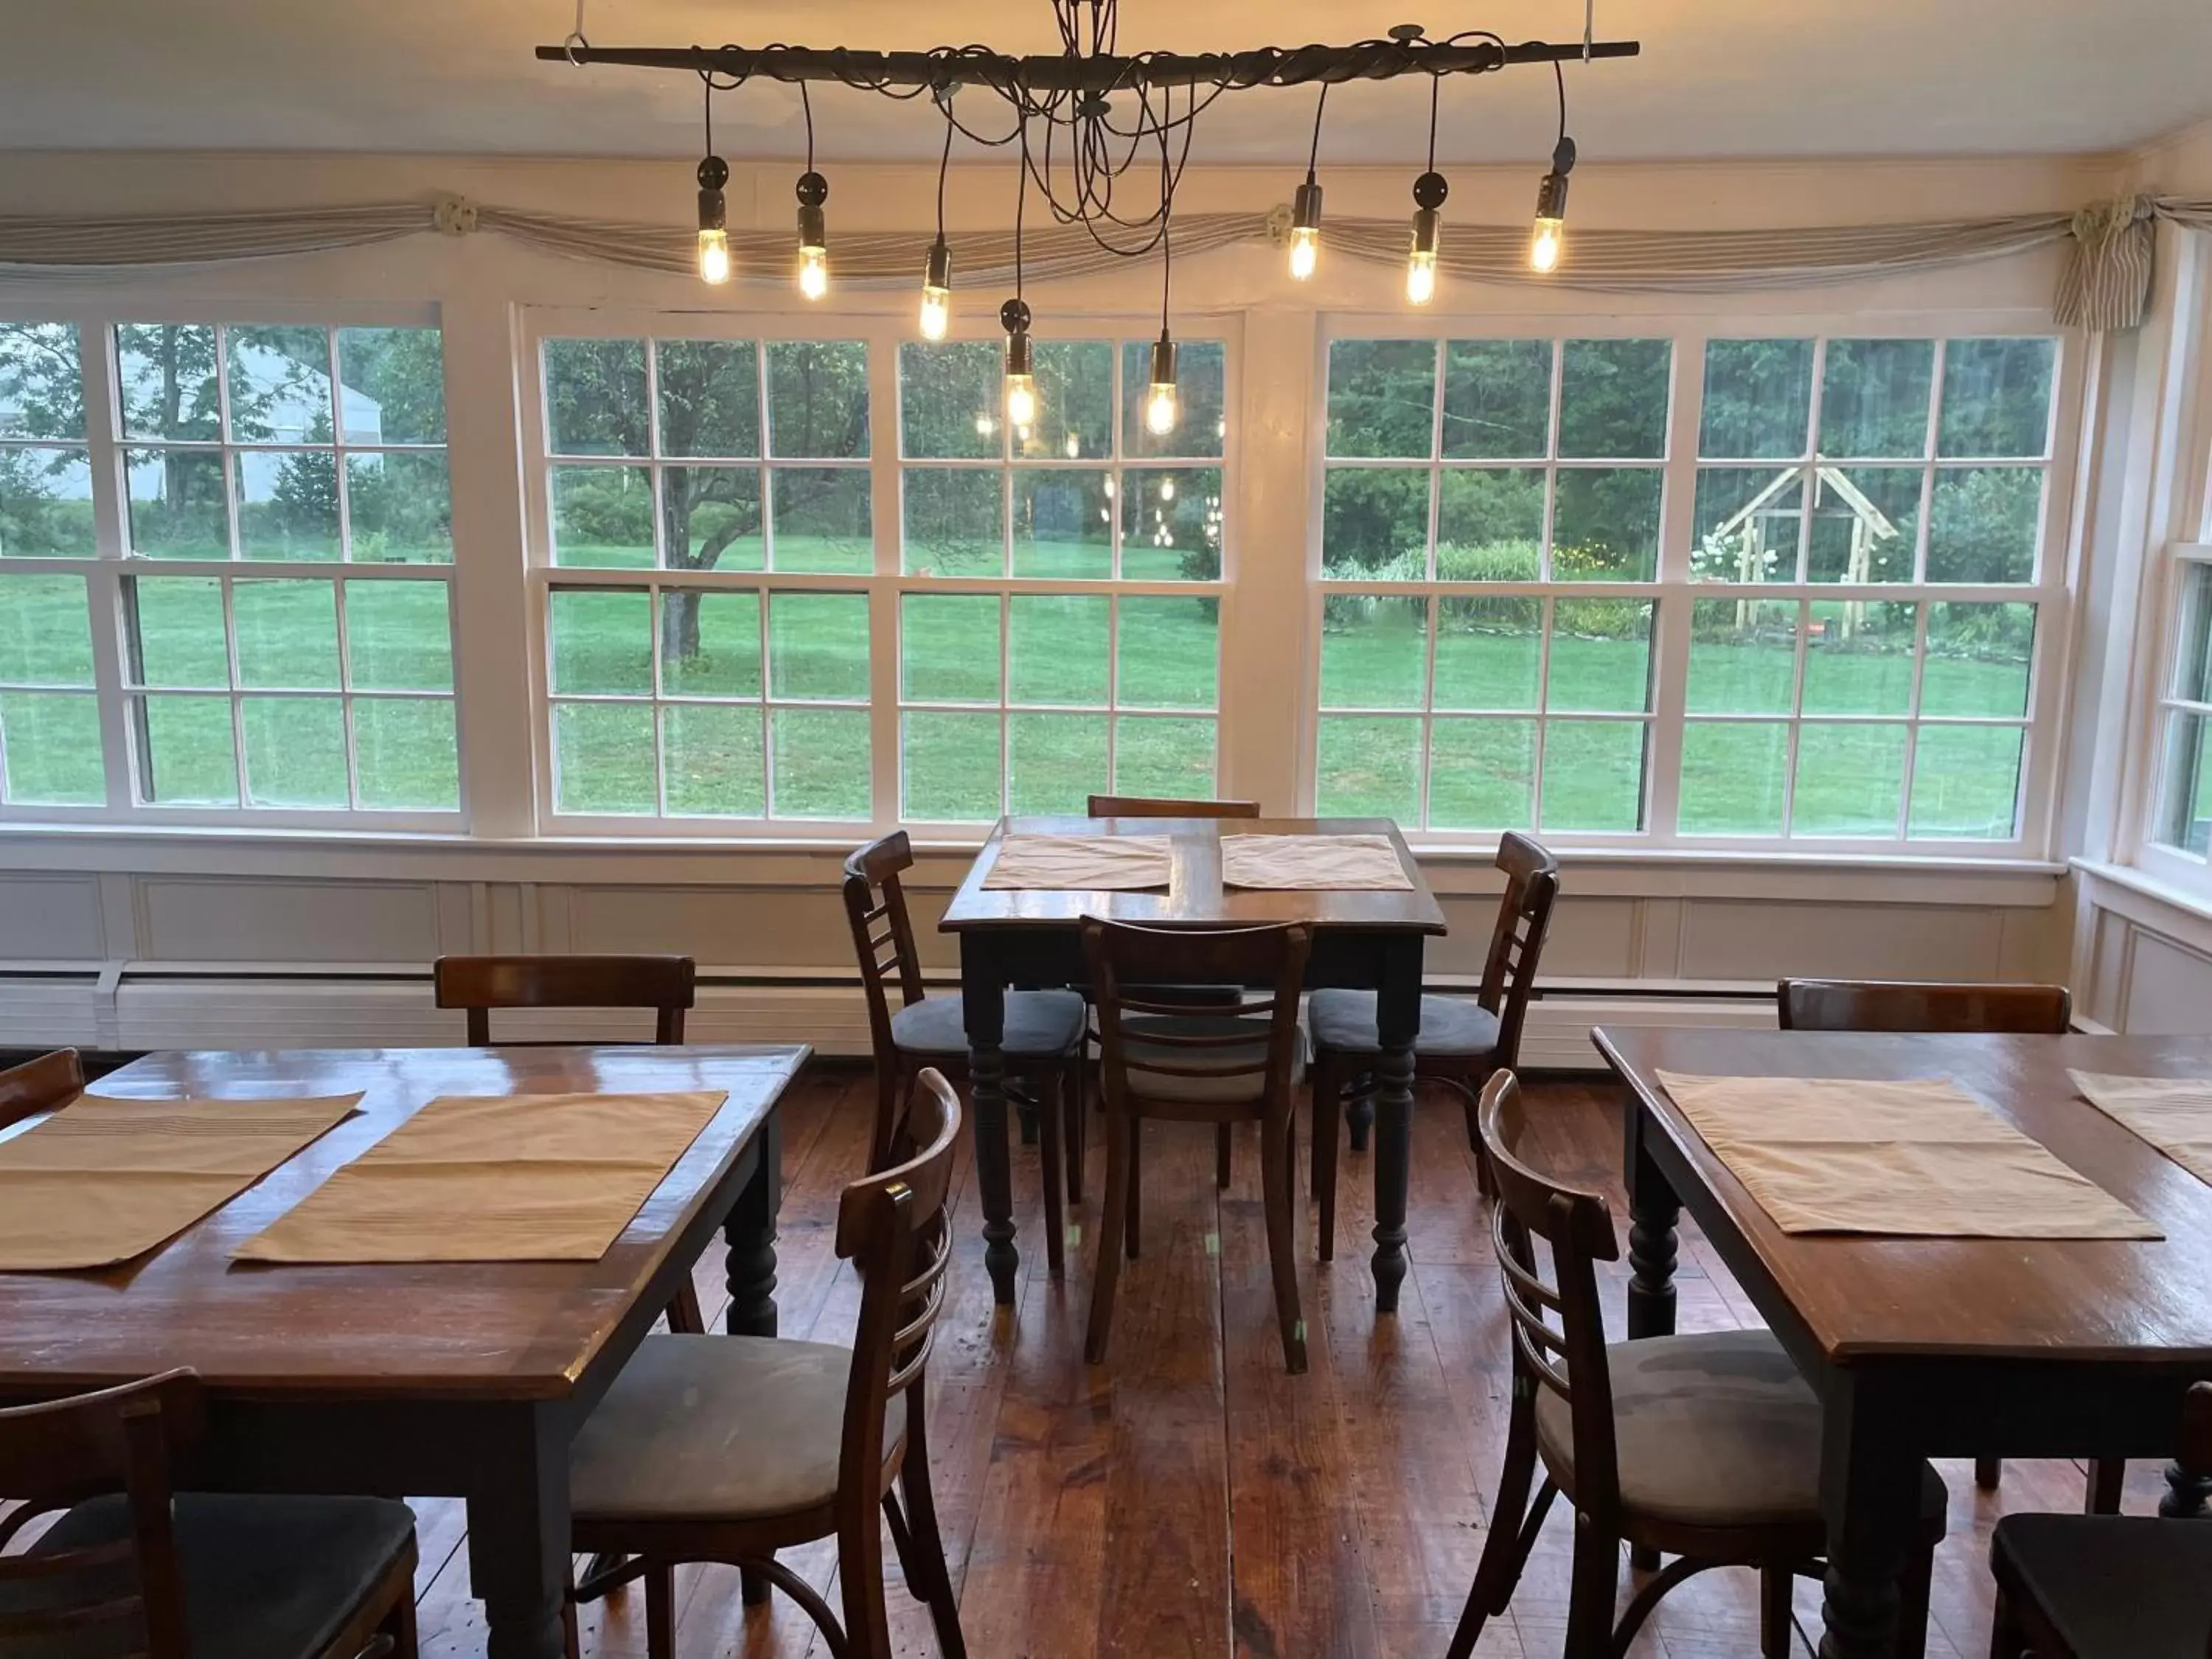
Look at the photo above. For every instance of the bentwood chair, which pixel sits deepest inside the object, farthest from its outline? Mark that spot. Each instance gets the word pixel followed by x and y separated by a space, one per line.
pixel 40 1086
pixel 728 1449
pixel 1161 1058
pixel 1899 1005
pixel 130 1566
pixel 1707 1447
pixel 1043 1032
pixel 1191 996
pixel 667 985
pixel 1461 1043
pixel 2105 1586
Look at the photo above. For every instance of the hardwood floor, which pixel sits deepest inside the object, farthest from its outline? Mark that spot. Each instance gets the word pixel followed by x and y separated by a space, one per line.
pixel 1189 1498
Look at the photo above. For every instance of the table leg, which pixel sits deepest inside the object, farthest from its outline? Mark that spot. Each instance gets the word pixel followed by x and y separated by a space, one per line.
pixel 983 1009
pixel 1397 1023
pixel 750 1232
pixel 1870 1488
pixel 518 1533
pixel 1653 1211
pixel 2185 1494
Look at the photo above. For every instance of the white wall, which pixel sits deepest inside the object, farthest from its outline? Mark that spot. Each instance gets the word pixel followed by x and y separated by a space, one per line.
pixel 139 940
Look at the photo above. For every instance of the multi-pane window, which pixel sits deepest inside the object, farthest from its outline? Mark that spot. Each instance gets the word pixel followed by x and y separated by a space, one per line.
pixel 282 614
pixel 2184 822
pixel 1059 614
pixel 1490 540
pixel 714 682
pixel 1850 610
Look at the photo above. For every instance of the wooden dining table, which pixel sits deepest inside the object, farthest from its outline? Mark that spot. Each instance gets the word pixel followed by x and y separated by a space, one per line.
pixel 433 1379
pixel 1363 940
pixel 1933 1347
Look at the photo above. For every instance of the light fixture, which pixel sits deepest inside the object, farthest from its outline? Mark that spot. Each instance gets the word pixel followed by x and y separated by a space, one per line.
pixel 713 211
pixel 1021 365
pixel 1162 403
pixel 1549 237
pixel 937 275
pixel 1429 192
pixel 813 223
pixel 1306 206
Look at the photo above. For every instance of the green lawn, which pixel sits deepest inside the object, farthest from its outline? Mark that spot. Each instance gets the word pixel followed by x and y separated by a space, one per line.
pixel 1059 655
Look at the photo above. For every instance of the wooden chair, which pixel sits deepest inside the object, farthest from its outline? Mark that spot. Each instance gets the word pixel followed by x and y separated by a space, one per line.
pixel 1044 1040
pixel 1161 1060
pixel 1899 1005
pixel 665 984
pixel 728 1449
pixel 1194 996
pixel 480 984
pixel 1707 1447
pixel 2109 1587
pixel 40 1086
pixel 1461 1043
pixel 130 1566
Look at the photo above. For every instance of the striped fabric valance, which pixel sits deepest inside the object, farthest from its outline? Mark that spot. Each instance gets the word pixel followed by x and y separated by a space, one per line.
pixel 2106 284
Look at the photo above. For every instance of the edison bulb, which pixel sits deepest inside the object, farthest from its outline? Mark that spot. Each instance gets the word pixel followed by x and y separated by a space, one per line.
pixel 1544 247
pixel 1074 446
pixel 1421 278
pixel 1305 251
pixel 714 256
pixel 813 272
pixel 1021 400
pixel 1160 410
pixel 936 312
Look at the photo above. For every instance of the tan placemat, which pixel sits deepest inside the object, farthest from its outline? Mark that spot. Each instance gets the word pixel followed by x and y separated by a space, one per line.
pixel 1343 862
pixel 1081 863
pixel 495 1178
pixel 103 1179
pixel 1921 1158
pixel 2175 1113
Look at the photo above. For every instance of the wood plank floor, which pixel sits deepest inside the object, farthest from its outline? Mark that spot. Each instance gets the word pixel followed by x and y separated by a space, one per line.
pixel 1188 1497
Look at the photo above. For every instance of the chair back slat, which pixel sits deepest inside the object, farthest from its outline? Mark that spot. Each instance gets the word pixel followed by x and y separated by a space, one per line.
pixel 1161 806
pixel 1575 1229
pixel 893 1228
pixel 1516 942
pixel 667 985
pixel 1257 1039
pixel 40 1086
pixel 1849 1004
pixel 121 1440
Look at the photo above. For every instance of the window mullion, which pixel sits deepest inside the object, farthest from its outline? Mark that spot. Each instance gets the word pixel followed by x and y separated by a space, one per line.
pixel 886 493
pixel 1671 617
pixel 104 577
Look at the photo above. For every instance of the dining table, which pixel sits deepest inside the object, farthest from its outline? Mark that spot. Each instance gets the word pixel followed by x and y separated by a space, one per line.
pixel 1030 938
pixel 1922 1346
pixel 458 1379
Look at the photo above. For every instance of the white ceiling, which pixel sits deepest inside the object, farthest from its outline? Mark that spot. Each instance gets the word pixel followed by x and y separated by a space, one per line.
pixel 1730 78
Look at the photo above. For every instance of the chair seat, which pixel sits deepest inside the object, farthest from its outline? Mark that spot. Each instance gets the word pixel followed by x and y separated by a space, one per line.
pixel 1205 1090
pixel 1344 1021
pixel 1714 1430
pixel 2114 1587
pixel 1040 1024
pixel 719 1428
pixel 263 1577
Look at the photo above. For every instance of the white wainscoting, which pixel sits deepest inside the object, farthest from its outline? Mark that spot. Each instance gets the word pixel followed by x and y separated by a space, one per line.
pixel 2142 954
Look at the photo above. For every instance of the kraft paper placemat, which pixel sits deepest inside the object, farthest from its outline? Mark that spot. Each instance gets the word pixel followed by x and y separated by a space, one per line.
pixel 105 1179
pixel 1339 862
pixel 495 1178
pixel 1918 1158
pixel 2175 1113
pixel 1081 863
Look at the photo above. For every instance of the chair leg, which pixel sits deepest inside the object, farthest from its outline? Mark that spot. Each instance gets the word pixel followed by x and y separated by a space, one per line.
pixel 1048 1150
pixel 926 1541
pixel 1275 1178
pixel 2007 1638
pixel 685 1318
pixel 660 1613
pixel 399 1624
pixel 1774 1613
pixel 1328 1132
pixel 1359 1114
pixel 2108 1478
pixel 1077 1098
pixel 1988 1471
pixel 1914 1591
pixel 1504 1554
pixel 1224 1146
pixel 1120 1144
pixel 1470 1092
pixel 1132 1200
pixel 1025 1112
pixel 1596 1581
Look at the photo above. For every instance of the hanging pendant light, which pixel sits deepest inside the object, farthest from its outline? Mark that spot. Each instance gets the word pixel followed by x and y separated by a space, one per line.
pixel 1548 240
pixel 1429 192
pixel 813 223
pixel 1305 208
pixel 1163 399
pixel 1021 365
pixel 713 208
pixel 937 275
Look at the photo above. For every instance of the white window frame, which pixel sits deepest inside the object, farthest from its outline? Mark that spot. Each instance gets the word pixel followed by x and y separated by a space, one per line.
pixel 884 586
pixel 111 564
pixel 1674 590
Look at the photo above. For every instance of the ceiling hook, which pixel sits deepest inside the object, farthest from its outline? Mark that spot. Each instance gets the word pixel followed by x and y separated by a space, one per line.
pixel 576 38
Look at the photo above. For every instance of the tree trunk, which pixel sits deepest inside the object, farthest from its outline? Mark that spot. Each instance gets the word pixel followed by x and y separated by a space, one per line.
pixel 679 624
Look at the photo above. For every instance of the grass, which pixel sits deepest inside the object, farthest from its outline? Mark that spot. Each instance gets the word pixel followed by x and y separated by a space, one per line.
pixel 720 756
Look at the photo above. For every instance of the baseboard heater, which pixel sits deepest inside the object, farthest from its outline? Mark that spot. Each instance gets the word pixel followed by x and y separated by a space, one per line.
pixel 134 1008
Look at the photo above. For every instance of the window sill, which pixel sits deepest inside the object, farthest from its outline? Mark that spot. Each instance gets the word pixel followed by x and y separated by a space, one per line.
pixel 2191 911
